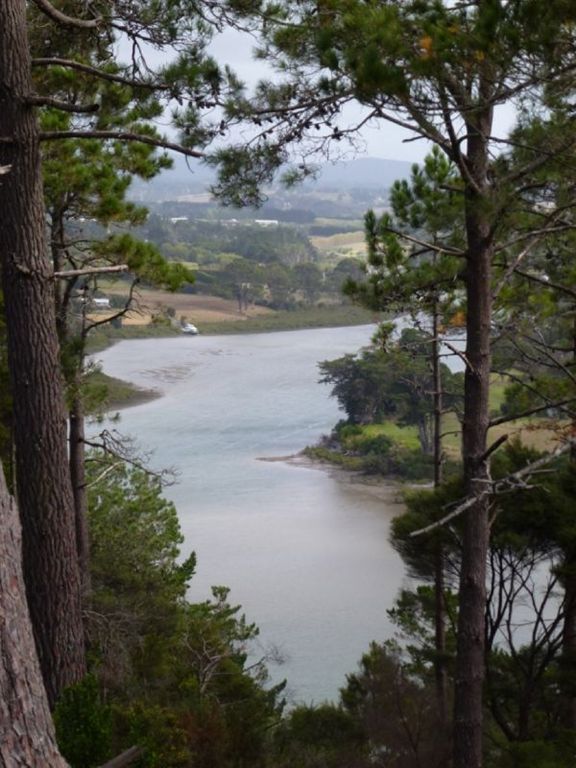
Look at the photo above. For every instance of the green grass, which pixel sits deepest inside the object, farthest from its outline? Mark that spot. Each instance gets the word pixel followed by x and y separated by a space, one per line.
pixel 118 393
pixel 299 319
pixel 407 437
pixel 106 335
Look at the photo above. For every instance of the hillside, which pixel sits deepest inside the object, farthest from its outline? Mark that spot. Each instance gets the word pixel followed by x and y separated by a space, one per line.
pixel 191 178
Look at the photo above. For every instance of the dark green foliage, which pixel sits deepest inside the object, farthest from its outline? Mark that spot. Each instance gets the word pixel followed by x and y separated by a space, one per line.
pixel 424 507
pixel 84 725
pixel 179 678
pixel 323 736
pixel 538 754
pixel 395 710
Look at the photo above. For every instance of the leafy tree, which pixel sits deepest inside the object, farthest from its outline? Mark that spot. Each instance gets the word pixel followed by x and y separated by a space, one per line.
pixel 395 710
pixel 324 736
pixel 245 280
pixel 308 278
pixel 394 383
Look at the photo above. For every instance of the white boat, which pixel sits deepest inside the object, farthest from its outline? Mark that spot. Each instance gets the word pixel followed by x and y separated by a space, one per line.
pixel 189 329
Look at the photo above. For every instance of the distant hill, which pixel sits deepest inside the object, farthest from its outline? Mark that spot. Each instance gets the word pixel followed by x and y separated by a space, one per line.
pixel 192 178
pixel 362 173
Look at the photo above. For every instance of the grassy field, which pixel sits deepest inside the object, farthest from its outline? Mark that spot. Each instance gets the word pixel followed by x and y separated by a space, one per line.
pixel 345 244
pixel 190 307
pixel 218 316
pixel 313 317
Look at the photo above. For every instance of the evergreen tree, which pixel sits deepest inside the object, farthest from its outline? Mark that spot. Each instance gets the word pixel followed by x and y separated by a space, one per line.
pixel 437 69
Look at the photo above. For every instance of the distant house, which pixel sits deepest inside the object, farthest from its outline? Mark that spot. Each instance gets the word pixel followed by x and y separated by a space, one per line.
pixel 101 303
pixel 266 222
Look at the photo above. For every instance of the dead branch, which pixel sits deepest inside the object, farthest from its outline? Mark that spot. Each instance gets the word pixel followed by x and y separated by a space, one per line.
pixel 91 271
pixel 120 449
pixel 511 482
pixel 125 758
pixel 531 412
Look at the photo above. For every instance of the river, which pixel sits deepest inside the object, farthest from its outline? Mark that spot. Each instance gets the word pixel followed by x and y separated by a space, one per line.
pixel 303 549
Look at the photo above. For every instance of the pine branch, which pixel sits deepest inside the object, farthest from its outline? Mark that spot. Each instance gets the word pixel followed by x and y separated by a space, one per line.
pixel 67 21
pixel 71 64
pixel 120 136
pixel 64 106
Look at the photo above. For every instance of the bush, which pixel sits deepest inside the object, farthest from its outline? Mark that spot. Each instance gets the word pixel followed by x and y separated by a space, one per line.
pixel 84 725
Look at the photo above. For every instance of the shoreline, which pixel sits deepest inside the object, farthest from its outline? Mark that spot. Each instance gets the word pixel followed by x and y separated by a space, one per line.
pixel 128 395
pixel 387 489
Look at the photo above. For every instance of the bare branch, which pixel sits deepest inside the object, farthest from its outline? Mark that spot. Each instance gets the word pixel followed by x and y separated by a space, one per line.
pixel 494 447
pixel 458 352
pixel 510 482
pixel 426 245
pixel 127 307
pixel 531 412
pixel 112 444
pixel 548 283
pixel 91 271
pixel 109 469
pixel 127 757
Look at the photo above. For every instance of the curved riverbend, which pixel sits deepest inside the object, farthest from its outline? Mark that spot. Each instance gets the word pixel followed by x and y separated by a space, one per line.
pixel 304 549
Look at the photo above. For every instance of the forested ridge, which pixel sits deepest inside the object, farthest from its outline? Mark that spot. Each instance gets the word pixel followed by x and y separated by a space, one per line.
pixel 103 660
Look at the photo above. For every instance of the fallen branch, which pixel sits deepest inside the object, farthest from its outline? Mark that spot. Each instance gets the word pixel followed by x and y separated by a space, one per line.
pixel 125 758
pixel 91 271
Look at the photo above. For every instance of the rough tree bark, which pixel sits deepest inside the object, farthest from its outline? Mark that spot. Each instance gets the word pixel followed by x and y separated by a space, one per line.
pixel 468 698
pixel 79 491
pixel 25 721
pixel 43 481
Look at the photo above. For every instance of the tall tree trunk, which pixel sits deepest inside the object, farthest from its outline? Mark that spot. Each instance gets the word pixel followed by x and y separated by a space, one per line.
pixel 440 672
pixel 470 663
pixel 78 476
pixel 43 481
pixel 568 659
pixel 25 721
pixel 73 368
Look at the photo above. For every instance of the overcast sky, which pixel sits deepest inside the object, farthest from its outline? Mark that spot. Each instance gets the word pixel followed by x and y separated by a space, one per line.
pixel 380 140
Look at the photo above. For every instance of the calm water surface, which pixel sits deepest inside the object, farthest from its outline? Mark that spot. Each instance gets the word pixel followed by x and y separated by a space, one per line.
pixel 304 551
